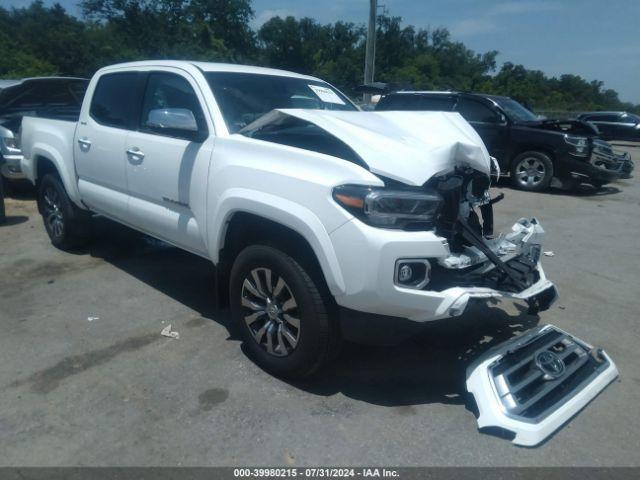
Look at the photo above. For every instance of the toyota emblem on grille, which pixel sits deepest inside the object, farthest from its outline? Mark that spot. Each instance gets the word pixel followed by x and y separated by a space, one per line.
pixel 550 364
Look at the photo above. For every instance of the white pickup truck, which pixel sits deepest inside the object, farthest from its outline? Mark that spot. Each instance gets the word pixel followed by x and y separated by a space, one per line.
pixel 324 222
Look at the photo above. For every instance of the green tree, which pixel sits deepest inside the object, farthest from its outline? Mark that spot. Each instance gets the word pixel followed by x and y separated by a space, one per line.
pixel 40 40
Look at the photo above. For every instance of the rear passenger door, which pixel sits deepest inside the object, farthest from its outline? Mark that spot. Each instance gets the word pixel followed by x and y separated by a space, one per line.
pixel 99 143
pixel 489 123
pixel 167 160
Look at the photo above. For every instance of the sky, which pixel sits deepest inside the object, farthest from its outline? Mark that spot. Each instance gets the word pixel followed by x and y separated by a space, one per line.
pixel 596 39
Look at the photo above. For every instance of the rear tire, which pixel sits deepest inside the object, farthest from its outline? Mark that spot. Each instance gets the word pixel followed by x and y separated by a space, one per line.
pixel 68 226
pixel 531 171
pixel 281 314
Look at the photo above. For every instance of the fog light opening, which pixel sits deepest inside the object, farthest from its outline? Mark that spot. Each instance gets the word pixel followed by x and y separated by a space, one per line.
pixel 412 273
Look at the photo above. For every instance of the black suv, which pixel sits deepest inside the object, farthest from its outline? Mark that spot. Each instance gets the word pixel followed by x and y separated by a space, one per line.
pixel 534 151
pixel 615 125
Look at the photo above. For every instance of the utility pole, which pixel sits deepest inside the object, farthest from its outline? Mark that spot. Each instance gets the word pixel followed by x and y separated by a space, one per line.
pixel 370 55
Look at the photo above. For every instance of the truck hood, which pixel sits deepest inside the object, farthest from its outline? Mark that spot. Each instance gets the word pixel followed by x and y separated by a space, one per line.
pixel 410 147
pixel 572 127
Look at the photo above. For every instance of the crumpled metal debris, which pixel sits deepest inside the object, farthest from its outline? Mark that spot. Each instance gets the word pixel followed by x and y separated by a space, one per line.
pixel 166 332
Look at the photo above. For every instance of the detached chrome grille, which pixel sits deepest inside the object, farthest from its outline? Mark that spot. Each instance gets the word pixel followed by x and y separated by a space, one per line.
pixel 541 373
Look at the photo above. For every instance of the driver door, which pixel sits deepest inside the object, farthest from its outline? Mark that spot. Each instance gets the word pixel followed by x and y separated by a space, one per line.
pixel 490 125
pixel 167 168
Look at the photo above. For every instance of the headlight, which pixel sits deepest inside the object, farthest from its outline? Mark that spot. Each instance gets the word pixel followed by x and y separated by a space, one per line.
pixel 384 208
pixel 580 145
pixel 9 142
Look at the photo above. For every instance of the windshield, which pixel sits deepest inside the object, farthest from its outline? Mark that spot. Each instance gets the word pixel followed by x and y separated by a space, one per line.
pixel 632 117
pixel 245 97
pixel 516 111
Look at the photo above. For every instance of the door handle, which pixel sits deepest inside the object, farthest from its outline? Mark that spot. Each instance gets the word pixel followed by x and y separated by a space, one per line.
pixel 135 154
pixel 84 142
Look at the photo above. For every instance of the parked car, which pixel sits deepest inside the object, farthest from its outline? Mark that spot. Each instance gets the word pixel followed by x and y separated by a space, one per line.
pixel 535 152
pixel 51 97
pixel 615 125
pixel 324 222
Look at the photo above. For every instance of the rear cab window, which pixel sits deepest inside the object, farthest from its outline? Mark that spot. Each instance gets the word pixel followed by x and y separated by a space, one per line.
pixel 605 117
pixel 116 99
pixel 417 102
pixel 474 111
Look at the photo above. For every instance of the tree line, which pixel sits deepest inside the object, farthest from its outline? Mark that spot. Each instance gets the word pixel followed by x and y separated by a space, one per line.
pixel 40 40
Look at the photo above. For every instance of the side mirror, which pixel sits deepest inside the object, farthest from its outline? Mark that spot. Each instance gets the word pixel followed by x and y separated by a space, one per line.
pixel 174 119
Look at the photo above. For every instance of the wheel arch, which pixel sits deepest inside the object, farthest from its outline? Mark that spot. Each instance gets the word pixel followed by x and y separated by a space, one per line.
pixel 47 161
pixel 244 227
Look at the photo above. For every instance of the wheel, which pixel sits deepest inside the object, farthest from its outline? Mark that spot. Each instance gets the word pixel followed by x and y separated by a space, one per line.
pixel 66 225
pixel 531 171
pixel 281 313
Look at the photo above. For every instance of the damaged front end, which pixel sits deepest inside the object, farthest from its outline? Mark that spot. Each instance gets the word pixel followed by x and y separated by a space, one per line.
pixel 484 264
pixel 604 156
pixel 436 173
pixel 586 157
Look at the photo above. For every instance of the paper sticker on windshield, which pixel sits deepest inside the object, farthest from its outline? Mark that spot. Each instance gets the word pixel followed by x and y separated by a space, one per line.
pixel 326 94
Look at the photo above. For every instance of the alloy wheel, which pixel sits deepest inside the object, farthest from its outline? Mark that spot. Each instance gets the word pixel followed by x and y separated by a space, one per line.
pixel 53 212
pixel 530 172
pixel 270 312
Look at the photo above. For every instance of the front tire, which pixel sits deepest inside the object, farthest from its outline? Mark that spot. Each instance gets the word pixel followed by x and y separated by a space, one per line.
pixel 280 312
pixel 531 171
pixel 66 225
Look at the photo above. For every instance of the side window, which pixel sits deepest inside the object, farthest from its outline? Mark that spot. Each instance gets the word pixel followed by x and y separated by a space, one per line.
pixel 605 118
pixel 170 96
pixel 474 111
pixel 408 101
pixel 398 102
pixel 436 104
pixel 114 101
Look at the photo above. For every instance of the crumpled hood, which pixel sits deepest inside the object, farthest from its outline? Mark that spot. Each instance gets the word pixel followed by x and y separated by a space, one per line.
pixel 575 127
pixel 410 147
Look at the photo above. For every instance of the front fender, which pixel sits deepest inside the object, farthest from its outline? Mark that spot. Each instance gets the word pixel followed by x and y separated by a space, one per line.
pixel 284 212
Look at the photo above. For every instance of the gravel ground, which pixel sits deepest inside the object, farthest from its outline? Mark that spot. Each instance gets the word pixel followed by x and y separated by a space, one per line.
pixel 87 379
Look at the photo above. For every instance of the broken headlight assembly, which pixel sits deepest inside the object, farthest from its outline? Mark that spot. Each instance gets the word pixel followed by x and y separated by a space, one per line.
pixel 580 145
pixel 386 208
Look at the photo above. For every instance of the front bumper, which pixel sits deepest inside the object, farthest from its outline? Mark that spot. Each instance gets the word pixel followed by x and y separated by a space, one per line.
pixel 368 259
pixel 11 167
pixel 604 165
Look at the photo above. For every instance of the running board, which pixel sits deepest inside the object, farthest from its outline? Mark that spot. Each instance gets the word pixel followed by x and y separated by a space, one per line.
pixel 531 385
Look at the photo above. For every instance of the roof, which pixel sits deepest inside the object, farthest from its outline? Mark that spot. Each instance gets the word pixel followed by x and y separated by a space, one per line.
pixel 604 113
pixel 418 92
pixel 9 83
pixel 213 67
pixel 448 92
pixel 13 82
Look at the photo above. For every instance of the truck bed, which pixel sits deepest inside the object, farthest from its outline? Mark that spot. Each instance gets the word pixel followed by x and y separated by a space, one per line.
pixel 48 139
